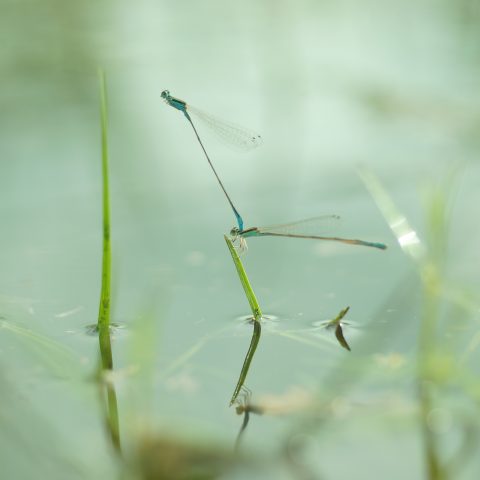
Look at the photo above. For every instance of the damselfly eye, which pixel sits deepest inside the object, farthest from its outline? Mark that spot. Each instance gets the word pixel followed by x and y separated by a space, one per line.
pixel 165 94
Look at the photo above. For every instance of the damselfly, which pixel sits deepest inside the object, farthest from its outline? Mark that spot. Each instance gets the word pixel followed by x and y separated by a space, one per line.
pixel 239 137
pixel 308 229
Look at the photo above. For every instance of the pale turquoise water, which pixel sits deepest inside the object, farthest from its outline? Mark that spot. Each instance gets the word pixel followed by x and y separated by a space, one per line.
pixel 330 86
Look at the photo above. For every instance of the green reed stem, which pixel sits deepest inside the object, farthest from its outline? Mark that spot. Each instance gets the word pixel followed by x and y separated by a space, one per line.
pixel 104 307
pixel 252 299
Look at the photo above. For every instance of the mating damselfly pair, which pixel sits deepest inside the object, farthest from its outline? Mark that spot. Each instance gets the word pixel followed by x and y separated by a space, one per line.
pixel 245 139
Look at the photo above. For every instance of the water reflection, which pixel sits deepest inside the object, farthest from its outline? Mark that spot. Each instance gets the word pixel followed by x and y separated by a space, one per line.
pixel 337 323
pixel 245 407
pixel 289 326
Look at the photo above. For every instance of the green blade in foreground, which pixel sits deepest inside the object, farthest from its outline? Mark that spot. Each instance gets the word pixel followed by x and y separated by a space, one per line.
pixel 104 307
pixel 111 408
pixel 257 315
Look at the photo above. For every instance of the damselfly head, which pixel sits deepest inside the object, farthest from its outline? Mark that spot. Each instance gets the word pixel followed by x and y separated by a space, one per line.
pixel 165 94
pixel 234 232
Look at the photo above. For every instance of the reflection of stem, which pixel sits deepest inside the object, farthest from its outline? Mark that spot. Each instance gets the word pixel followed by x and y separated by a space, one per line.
pixel 246 419
pixel 257 315
pixel 338 328
pixel 109 406
pixel 113 423
pixel 104 307
pixel 257 330
pixel 246 408
pixel 341 338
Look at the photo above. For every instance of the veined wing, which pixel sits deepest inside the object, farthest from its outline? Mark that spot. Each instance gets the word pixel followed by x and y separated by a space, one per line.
pixel 310 226
pixel 238 137
pixel 314 228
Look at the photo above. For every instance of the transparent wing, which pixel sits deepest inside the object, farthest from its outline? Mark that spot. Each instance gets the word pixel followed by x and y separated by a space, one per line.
pixel 309 226
pixel 313 228
pixel 238 137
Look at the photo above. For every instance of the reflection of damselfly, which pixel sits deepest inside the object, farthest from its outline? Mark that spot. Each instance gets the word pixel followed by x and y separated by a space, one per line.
pixel 243 406
pixel 337 324
pixel 308 228
pixel 239 137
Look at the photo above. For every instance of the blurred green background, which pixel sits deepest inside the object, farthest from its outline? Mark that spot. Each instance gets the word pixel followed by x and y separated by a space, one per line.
pixel 330 86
